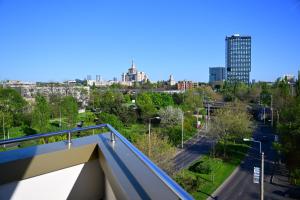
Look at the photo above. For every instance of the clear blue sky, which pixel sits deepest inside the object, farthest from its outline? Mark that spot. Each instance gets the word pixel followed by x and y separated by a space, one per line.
pixel 56 40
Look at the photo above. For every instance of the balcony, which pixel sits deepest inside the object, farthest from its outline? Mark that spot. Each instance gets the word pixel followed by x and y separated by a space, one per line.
pixel 102 166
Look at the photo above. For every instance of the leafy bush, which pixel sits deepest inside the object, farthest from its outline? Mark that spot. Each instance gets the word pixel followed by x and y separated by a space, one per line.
pixel 187 180
pixel 201 167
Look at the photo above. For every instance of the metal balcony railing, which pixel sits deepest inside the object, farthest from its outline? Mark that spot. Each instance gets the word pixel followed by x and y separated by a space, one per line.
pixel 181 193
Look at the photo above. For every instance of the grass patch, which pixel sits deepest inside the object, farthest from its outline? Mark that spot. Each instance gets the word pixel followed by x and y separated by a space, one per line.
pixel 205 175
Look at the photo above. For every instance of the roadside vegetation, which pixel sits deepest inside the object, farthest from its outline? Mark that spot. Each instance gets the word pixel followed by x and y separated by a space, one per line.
pixel 205 175
pixel 130 113
pixel 228 128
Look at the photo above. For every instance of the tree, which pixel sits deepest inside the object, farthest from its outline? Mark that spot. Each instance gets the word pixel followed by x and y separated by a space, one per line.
pixel 146 106
pixel 55 105
pixel 192 101
pixel 111 119
pixel 230 123
pixel 161 150
pixel 41 114
pixel 6 121
pixel 70 110
pixel 110 101
pixel 178 98
pixel 281 95
pixel 161 100
pixel 289 132
pixel 254 93
pixel 12 104
pixel 208 92
pixel 241 91
pixel 170 116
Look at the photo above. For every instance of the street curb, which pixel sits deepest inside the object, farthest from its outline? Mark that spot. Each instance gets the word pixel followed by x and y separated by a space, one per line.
pixel 215 193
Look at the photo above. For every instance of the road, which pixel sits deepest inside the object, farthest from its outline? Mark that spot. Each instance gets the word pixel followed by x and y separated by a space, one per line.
pixel 193 149
pixel 240 185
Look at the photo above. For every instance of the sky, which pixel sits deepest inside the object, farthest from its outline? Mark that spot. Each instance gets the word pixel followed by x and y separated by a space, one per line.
pixel 58 40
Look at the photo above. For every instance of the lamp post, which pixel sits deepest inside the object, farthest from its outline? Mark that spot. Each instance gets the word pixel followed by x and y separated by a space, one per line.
pixel 207 116
pixel 182 126
pixel 182 120
pixel 272 119
pixel 262 167
pixel 149 135
pixel 264 115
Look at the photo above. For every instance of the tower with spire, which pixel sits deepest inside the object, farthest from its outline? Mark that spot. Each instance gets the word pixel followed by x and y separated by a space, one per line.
pixel 133 75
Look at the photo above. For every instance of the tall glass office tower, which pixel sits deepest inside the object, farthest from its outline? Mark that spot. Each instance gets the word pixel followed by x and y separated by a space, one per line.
pixel 238 58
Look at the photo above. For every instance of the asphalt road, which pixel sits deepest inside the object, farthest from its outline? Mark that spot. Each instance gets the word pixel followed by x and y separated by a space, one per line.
pixel 240 185
pixel 193 149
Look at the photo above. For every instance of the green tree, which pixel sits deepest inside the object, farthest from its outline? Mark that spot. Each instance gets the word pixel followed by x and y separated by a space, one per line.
pixel 6 121
pixel 111 119
pixel 41 114
pixel 192 101
pixel 161 151
pixel 70 110
pixel 289 132
pixel 241 91
pixel 55 105
pixel 12 104
pixel 231 123
pixel 161 100
pixel 146 106
pixel 254 93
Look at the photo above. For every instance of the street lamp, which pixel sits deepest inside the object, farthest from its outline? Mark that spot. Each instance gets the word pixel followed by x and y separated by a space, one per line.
pixel 262 167
pixel 182 120
pixel 207 116
pixel 150 133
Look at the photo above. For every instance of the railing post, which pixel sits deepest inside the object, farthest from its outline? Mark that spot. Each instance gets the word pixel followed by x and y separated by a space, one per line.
pixel 112 137
pixel 69 138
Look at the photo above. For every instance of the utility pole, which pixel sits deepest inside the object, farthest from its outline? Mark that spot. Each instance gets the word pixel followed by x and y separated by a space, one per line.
pixel 149 138
pixel 3 126
pixel 262 177
pixel 264 115
pixel 60 117
pixel 182 121
pixel 272 118
pixel 207 116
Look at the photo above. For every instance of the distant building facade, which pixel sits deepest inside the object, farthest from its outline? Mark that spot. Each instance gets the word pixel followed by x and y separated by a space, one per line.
pixel 238 58
pixel 217 74
pixel 133 75
pixel 30 90
pixel 289 78
pixel 185 85
pixel 171 80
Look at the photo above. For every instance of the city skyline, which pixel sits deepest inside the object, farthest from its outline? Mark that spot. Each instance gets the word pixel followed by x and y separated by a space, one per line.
pixel 179 38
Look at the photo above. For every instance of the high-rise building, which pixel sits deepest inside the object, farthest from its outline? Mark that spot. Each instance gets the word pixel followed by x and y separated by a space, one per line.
pixel 238 58
pixel 133 75
pixel 217 74
pixel 98 78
